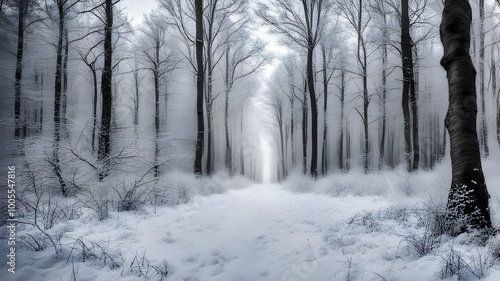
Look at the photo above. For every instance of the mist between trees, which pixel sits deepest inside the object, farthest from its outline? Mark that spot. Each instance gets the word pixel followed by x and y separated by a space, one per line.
pixel 253 88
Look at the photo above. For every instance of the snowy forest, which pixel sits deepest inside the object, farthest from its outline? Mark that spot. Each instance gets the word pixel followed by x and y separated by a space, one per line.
pixel 250 139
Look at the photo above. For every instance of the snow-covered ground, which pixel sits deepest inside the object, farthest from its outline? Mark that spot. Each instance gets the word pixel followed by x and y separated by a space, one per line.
pixel 268 232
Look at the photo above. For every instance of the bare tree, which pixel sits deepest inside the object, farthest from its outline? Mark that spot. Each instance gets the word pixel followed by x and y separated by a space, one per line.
pixel 468 197
pixel 90 59
pixel 328 52
pixel 380 6
pixel 277 106
pixel 106 89
pixel 63 8
pixel 218 18
pixel 22 10
pixel 241 61
pixel 301 22
pixel 159 65
pixel 355 13
pixel 199 86
pixel 27 11
pixel 410 117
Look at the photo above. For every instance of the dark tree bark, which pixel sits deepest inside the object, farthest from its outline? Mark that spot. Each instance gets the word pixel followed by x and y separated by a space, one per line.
pixel 384 92
pixel 94 105
pixel 199 88
pixel 156 76
pixel 19 67
pixel 362 59
pixel 64 93
pixel 358 18
pixel 342 165
pixel 62 10
pixel 408 93
pixel 304 27
pixel 228 158
pixel 305 111
pixel 106 91
pixel 314 112
pixel 325 152
pixel 468 206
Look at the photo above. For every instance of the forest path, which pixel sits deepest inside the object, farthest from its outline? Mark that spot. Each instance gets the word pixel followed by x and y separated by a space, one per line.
pixel 262 232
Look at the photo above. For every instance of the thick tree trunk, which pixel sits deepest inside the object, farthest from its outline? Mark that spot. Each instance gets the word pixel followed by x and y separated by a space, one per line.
pixel 19 68
pixel 314 113
pixel 199 88
pixel 408 85
pixel 106 92
pixel 468 206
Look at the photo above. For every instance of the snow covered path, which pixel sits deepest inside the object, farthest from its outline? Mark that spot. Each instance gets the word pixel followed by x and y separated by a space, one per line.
pixel 259 233
pixel 262 232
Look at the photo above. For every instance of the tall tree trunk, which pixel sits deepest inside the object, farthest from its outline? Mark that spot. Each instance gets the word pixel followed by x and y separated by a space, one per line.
pixel 228 155
pixel 342 166
pixel 209 139
pixel 314 112
pixel 157 116
pixel 199 88
pixel 384 93
pixel 156 74
pixel 136 96
pixel 408 83
pixel 292 129
pixel 282 143
pixel 57 101
pixel 467 206
pixel 494 90
pixel 324 153
pixel 94 106
pixel 483 132
pixel 304 129
pixel 106 91
pixel 362 60
pixel 414 118
pixel 19 68
pixel 64 94
pixel 242 161
pixel 348 147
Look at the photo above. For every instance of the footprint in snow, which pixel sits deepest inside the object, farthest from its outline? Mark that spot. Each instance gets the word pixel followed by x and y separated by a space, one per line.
pixel 169 239
pixel 191 259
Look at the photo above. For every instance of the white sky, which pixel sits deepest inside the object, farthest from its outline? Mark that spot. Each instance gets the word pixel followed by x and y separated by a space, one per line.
pixel 137 8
